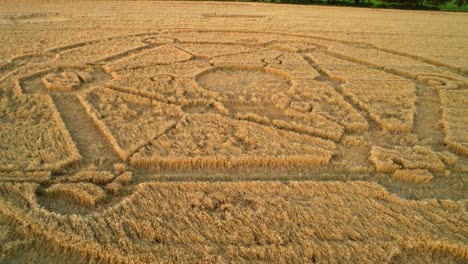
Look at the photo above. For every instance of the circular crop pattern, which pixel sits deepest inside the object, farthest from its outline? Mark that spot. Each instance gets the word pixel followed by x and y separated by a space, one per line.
pixel 243 85
pixel 154 117
pixel 220 100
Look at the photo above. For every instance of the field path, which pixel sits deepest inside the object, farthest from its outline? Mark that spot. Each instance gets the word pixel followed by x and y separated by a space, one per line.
pixel 428 116
pixel 90 142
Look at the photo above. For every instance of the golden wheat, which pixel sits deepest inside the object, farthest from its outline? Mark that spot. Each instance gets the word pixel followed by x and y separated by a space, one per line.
pixel 86 194
pixel 67 81
pixel 193 221
pixel 417 157
pixel 416 176
pixel 33 136
pixel 161 55
pixel 96 177
pixel 162 88
pixel 99 51
pixel 326 101
pixel 108 117
pixel 389 103
pixel 208 51
pixel 116 185
pixel 455 119
pixel 214 141
pixel 128 121
pixel 448 158
pixel 19 176
pixel 187 69
pixel 293 66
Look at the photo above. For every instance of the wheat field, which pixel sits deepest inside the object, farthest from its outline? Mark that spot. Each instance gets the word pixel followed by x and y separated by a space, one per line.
pixel 224 132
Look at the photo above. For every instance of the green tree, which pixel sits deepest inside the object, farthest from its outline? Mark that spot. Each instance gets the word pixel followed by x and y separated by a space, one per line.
pixel 405 2
pixel 437 2
pixel 459 4
pixel 433 3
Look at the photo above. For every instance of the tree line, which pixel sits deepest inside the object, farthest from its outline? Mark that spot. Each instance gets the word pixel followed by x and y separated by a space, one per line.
pixel 402 4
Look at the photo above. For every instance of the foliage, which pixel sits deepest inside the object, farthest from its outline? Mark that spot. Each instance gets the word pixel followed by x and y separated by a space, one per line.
pixel 445 5
pixel 405 2
pixel 459 4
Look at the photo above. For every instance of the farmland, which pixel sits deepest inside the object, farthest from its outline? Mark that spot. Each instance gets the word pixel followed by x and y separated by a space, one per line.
pixel 147 132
